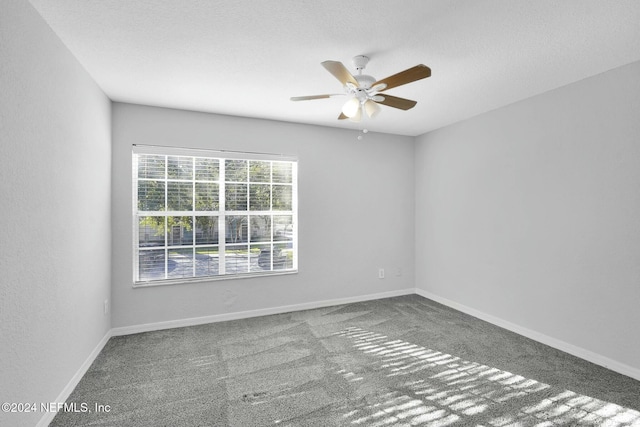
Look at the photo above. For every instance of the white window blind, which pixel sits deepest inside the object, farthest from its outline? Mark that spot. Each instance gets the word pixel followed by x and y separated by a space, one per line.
pixel 202 214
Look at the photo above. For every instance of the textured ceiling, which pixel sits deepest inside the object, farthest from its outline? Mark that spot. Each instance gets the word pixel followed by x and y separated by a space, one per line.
pixel 248 57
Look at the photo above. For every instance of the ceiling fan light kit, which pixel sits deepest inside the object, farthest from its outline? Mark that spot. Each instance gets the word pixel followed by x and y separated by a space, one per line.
pixel 364 91
pixel 351 107
pixel 371 107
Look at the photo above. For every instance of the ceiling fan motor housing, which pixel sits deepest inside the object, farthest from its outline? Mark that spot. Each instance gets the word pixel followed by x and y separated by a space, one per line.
pixel 365 81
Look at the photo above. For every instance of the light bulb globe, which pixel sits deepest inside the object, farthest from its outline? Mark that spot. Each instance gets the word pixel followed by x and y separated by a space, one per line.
pixel 351 108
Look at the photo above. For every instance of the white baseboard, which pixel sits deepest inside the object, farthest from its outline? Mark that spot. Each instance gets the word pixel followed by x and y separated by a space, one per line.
pixel 71 385
pixel 580 352
pixel 135 329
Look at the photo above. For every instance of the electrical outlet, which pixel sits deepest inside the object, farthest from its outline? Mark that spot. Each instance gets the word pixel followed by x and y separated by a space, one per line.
pixel 106 306
pixel 381 273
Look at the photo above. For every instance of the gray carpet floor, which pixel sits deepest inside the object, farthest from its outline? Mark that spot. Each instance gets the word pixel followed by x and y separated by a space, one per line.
pixel 404 361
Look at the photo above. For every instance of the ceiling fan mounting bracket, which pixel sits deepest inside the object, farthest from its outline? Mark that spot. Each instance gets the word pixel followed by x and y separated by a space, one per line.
pixel 360 62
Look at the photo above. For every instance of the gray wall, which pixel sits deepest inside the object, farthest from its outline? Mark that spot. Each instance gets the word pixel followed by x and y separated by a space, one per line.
pixel 528 213
pixel 531 214
pixel 55 191
pixel 355 207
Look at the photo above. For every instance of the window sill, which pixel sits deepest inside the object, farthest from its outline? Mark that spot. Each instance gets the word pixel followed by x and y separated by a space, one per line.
pixel 183 281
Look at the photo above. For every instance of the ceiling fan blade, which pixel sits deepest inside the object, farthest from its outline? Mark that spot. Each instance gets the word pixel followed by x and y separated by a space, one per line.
pixel 395 102
pixel 340 72
pixel 342 116
pixel 307 98
pixel 412 74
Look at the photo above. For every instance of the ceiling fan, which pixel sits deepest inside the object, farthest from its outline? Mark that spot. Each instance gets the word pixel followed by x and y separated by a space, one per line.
pixel 365 92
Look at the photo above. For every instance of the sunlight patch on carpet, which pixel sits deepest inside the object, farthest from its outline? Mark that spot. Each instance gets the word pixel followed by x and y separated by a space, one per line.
pixel 442 390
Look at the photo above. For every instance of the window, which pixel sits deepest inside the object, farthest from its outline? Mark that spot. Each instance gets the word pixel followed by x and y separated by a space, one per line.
pixel 206 214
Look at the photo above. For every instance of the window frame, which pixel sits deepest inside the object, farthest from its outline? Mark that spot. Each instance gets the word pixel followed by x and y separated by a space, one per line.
pixel 221 213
